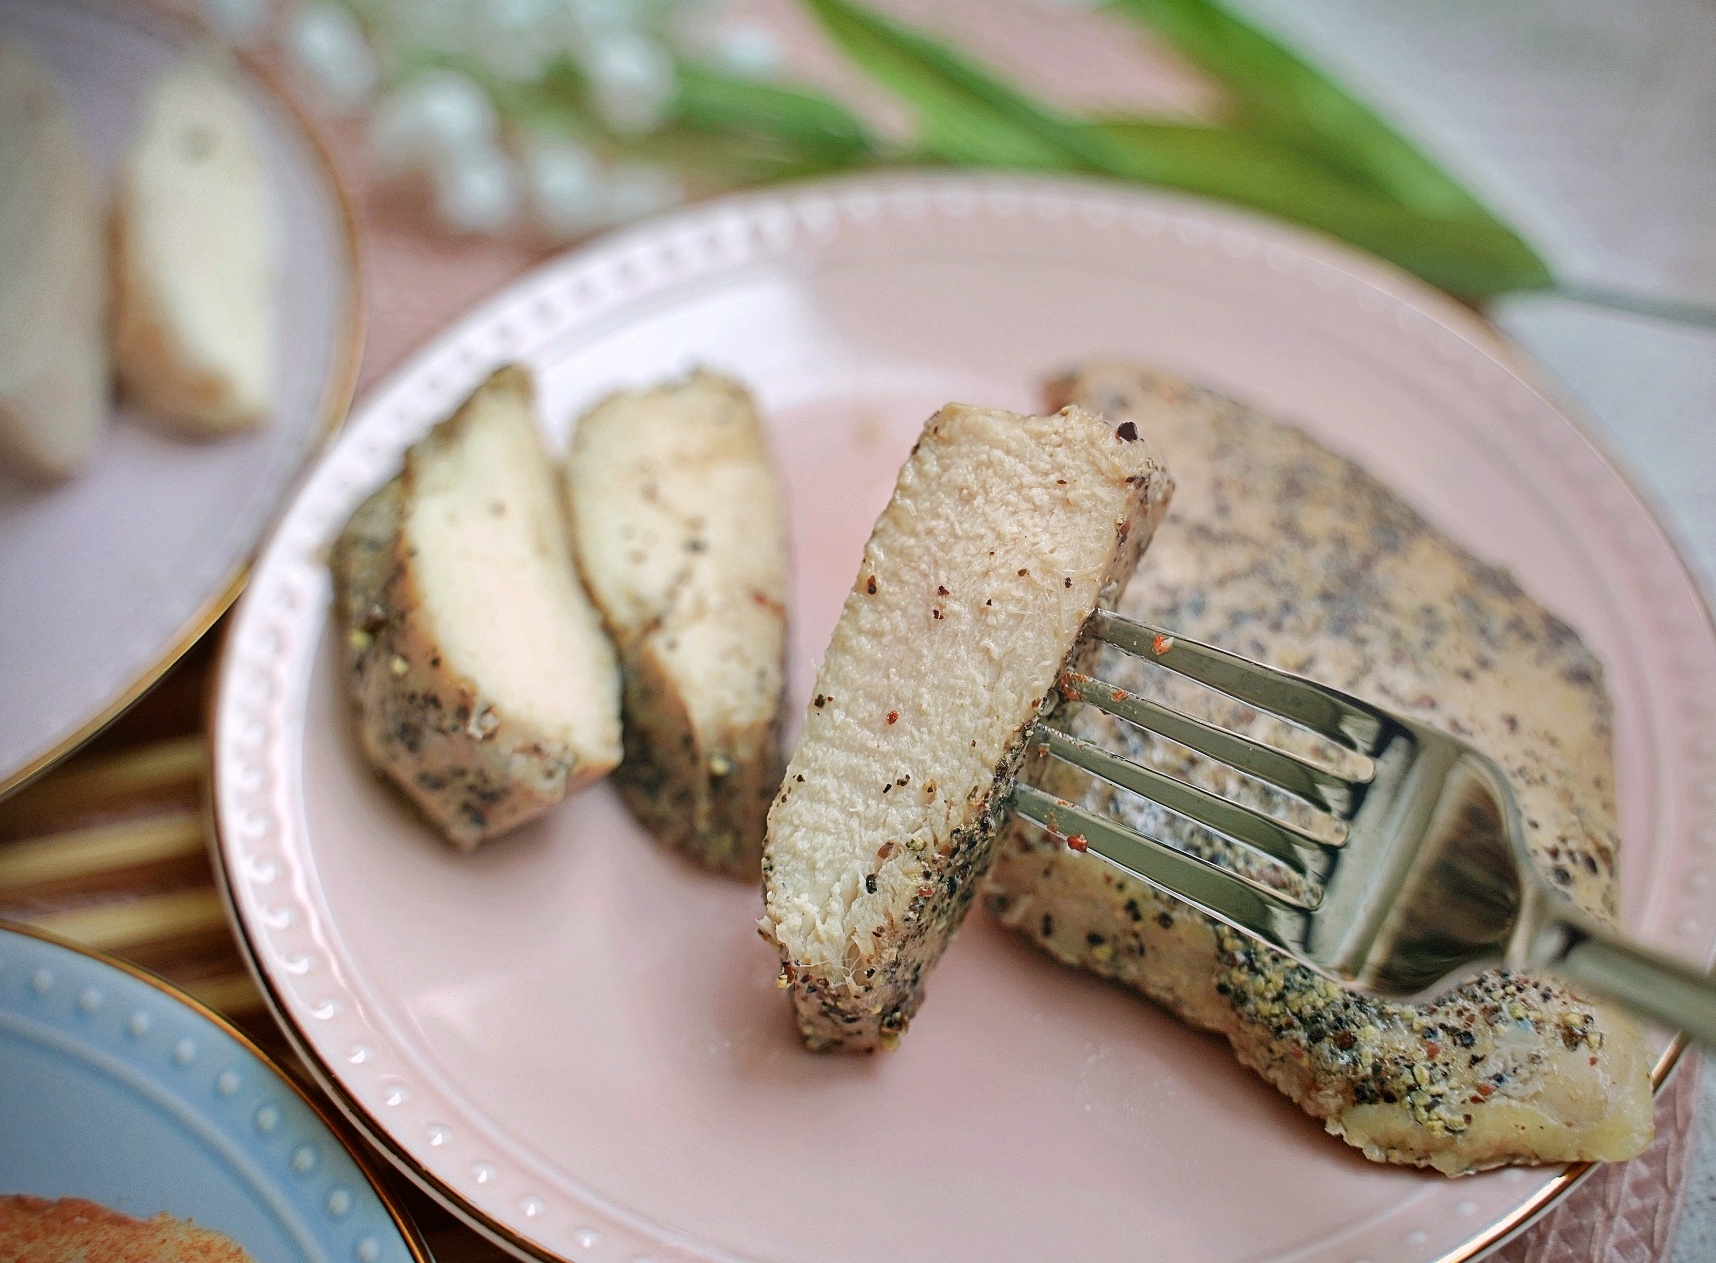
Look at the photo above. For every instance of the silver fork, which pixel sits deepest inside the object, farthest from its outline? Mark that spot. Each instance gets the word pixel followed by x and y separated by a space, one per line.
pixel 1418 875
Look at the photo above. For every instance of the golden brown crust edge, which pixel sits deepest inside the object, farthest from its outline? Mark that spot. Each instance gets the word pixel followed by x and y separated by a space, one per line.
pixel 671 783
pixel 1352 1064
pixel 874 1015
pixel 1519 1070
pixel 706 794
pixel 472 771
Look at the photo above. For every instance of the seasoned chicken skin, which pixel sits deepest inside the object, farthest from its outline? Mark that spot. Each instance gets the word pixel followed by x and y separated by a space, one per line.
pixel 484 684
pixel 677 528
pixel 1003 534
pixel 1284 552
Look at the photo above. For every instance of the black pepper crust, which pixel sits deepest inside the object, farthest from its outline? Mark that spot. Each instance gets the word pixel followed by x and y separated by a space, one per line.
pixel 713 804
pixel 872 1012
pixel 1438 1067
pixel 470 771
pixel 871 1009
pixel 1283 551
pixel 703 788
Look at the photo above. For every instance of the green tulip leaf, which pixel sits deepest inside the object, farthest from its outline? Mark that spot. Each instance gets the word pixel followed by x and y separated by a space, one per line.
pixel 808 121
pixel 1281 96
pixel 969 115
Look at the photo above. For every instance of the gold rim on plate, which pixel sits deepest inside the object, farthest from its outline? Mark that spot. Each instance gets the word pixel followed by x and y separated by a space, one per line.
pixel 1520 1219
pixel 359 1118
pixel 402 1220
pixel 1490 1237
pixel 330 413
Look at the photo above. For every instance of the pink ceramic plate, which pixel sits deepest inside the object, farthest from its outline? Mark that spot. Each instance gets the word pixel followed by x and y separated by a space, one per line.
pixel 111 576
pixel 575 1039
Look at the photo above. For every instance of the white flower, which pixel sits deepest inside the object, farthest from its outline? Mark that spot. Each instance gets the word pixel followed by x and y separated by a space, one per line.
pixel 405 26
pixel 477 190
pixel 328 46
pixel 634 81
pixel 445 124
pixel 430 121
pixel 515 38
pixel 240 21
pixel 566 189
pixel 748 48
pixel 636 189
pixel 595 17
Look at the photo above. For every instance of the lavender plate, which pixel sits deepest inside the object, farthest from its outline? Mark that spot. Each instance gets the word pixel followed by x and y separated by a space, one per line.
pixel 114 574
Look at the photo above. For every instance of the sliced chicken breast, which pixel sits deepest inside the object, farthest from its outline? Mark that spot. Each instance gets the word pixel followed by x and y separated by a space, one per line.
pixel 484 684
pixel 54 373
pixel 195 264
pixel 676 524
pixel 1003 534
pixel 1282 551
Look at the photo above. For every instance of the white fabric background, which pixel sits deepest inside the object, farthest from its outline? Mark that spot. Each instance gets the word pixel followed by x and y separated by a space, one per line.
pixel 1591 126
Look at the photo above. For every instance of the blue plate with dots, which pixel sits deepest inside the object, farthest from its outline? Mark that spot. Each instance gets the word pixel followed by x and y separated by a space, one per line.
pixel 116 1088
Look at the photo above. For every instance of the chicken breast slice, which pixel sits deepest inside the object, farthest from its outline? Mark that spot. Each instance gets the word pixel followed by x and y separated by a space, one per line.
pixel 195 264
pixel 677 527
pixel 1003 534
pixel 1283 551
pixel 54 373
pixel 483 682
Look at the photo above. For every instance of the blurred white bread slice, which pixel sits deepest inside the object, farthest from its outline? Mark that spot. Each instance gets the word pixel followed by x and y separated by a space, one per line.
pixel 53 279
pixel 483 681
pixel 676 523
pixel 194 258
pixel 1003 534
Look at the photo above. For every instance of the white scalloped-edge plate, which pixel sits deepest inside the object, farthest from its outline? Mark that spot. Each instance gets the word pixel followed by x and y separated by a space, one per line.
pixel 575 1039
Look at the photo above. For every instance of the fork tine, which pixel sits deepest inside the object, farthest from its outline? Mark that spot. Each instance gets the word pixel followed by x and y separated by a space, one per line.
pixel 1325 711
pixel 1247 905
pixel 1288 772
pixel 1300 851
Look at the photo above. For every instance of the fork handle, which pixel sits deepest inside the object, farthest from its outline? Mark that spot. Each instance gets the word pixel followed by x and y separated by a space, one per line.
pixel 1670 992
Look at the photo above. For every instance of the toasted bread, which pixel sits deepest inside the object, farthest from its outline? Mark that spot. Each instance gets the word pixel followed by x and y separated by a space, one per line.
pixel 73 1230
